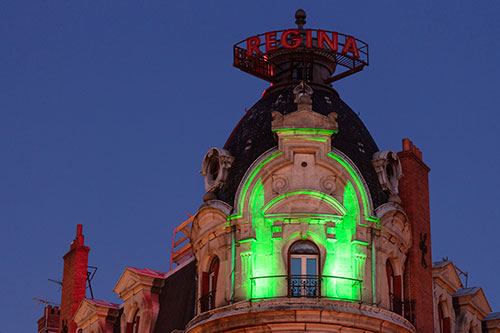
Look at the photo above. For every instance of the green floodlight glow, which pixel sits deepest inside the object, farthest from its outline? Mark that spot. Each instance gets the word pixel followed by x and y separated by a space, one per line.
pixel 248 181
pixel 359 184
pixel 267 257
pixel 306 131
pixel 306 138
pixel 320 216
pixel 264 258
pixel 313 194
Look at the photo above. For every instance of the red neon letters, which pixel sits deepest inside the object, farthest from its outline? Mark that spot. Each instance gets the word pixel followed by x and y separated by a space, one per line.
pixel 253 44
pixel 293 38
pixel 271 41
pixel 333 43
pixel 350 46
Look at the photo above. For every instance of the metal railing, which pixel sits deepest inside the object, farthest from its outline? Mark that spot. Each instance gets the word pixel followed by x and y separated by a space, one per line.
pixel 207 301
pixel 306 286
pixel 396 304
pixel 402 308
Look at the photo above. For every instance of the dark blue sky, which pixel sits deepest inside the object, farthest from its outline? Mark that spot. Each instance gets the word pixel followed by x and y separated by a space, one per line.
pixel 108 107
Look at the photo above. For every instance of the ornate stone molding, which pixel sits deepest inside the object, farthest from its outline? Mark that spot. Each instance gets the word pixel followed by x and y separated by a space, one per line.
pixel 388 168
pixel 299 315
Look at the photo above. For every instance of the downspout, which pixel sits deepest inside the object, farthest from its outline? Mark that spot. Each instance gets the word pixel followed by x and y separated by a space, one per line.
pixel 233 260
pixel 374 269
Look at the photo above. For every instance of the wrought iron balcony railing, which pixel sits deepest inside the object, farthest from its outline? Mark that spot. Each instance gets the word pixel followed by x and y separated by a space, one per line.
pixel 396 304
pixel 402 308
pixel 306 286
pixel 207 301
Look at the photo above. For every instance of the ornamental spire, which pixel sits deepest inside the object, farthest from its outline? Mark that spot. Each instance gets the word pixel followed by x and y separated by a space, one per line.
pixel 300 18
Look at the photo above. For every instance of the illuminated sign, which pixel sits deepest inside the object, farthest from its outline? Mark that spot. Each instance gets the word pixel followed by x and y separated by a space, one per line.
pixel 271 54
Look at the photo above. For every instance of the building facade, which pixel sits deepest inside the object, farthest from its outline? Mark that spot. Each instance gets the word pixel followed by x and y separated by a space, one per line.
pixel 306 225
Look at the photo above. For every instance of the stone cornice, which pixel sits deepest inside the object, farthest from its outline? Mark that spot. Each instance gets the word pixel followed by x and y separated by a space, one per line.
pixel 322 312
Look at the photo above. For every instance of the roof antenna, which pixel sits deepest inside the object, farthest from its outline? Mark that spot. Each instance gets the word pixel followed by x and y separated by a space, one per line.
pixel 300 18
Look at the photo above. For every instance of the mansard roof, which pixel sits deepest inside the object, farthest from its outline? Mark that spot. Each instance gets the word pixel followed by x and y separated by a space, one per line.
pixel 177 298
pixel 253 136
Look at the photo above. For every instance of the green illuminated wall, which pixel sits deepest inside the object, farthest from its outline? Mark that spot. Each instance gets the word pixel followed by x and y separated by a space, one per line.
pixel 263 257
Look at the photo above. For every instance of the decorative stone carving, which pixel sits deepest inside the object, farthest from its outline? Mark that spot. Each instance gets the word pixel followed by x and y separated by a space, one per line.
pixel 280 184
pixel 330 230
pixel 388 168
pixel 303 95
pixel 214 168
pixel 328 184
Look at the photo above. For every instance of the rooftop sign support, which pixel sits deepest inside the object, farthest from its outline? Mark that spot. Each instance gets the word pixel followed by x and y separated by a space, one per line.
pixel 300 54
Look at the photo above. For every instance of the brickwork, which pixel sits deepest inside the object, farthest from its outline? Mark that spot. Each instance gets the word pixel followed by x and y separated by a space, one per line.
pixel 414 193
pixel 74 280
pixel 49 322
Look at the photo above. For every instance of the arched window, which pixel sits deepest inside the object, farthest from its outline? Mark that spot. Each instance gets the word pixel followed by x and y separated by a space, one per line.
pixel 133 327
pixel 209 286
pixel 444 322
pixel 135 322
pixel 440 318
pixel 394 288
pixel 303 279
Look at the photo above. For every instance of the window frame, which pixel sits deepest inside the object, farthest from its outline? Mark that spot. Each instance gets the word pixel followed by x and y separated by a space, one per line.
pixel 315 278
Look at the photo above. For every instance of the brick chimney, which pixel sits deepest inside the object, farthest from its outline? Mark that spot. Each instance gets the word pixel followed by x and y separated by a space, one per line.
pixel 414 194
pixel 49 322
pixel 74 281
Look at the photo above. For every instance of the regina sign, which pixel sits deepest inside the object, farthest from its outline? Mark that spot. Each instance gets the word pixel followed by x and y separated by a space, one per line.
pixel 269 54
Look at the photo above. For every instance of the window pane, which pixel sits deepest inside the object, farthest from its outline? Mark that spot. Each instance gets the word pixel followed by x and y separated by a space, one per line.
pixel 312 266
pixel 296 267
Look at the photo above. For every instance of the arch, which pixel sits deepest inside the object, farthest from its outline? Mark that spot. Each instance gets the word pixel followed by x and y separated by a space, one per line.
pixel 309 237
pixel 274 155
pixel 394 286
pixel 444 322
pixel 136 321
pixel 322 198
pixel 133 325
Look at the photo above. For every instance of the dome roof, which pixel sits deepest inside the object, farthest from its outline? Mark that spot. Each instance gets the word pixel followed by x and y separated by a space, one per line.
pixel 253 136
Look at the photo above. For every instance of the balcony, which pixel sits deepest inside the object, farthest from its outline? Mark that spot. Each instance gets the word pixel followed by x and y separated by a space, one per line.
pixel 306 286
pixel 402 308
pixel 207 301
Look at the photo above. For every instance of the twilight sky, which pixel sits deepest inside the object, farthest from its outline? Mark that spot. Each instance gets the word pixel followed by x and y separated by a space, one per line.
pixel 108 107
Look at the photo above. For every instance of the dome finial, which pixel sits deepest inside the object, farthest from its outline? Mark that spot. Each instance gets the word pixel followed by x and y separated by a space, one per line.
pixel 300 18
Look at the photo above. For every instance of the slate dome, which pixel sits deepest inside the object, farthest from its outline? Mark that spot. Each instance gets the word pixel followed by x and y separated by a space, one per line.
pixel 252 136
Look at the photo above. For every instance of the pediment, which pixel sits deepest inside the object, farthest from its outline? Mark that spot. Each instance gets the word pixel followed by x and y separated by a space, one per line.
pixel 133 278
pixel 304 119
pixel 128 280
pixel 473 297
pixel 449 275
pixel 91 310
pixel 481 302
pixel 84 312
